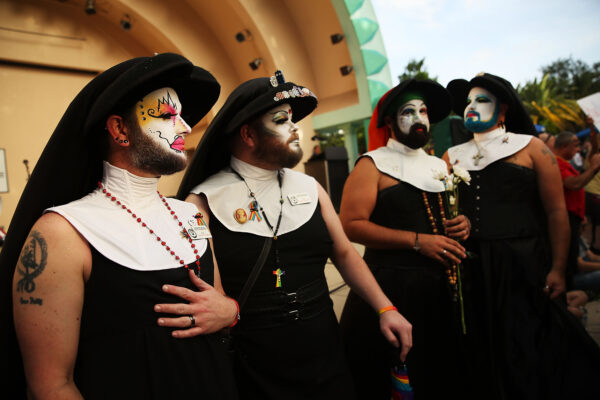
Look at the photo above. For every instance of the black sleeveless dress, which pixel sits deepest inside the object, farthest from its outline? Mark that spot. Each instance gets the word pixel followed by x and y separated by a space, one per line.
pixel 287 340
pixel 124 354
pixel 419 287
pixel 525 345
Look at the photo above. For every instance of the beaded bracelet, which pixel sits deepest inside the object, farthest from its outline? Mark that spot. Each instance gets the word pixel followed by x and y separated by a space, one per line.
pixel 237 318
pixel 388 308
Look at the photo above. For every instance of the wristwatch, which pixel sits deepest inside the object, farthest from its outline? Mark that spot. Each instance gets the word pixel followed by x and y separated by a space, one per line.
pixel 416 247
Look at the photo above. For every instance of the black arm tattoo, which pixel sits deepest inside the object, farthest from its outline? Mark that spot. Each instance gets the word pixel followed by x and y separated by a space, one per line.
pixel 33 257
pixel 549 153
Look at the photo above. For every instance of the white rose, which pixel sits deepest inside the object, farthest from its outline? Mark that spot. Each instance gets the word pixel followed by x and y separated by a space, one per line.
pixel 452 200
pixel 439 175
pixel 462 173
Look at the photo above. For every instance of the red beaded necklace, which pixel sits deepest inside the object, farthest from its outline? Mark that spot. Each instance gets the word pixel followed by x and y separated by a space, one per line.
pixel 450 271
pixel 150 230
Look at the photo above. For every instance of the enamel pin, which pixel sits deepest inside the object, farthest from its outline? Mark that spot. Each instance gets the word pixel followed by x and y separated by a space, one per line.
pixel 254 215
pixel 197 228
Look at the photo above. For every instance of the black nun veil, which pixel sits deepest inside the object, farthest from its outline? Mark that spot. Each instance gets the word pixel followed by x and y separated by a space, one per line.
pixel 517 117
pixel 71 163
pixel 249 100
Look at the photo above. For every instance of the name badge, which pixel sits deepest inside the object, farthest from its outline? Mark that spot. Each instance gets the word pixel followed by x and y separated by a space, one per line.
pixel 299 198
pixel 198 229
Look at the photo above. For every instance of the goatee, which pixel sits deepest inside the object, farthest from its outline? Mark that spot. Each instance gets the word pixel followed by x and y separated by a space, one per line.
pixel 417 137
pixel 149 156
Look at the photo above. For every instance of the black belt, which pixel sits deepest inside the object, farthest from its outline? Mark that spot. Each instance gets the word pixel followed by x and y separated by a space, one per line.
pixel 267 309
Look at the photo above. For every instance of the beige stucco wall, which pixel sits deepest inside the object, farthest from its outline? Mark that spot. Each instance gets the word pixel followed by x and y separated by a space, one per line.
pixel 288 35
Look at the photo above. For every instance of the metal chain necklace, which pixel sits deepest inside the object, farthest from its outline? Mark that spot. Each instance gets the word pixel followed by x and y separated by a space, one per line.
pixel 278 272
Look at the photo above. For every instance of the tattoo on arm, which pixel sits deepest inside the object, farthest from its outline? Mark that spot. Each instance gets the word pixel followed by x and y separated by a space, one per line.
pixel 549 153
pixel 33 257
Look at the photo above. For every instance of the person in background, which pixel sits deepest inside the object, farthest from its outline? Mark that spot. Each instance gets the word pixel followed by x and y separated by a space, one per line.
pixel 548 139
pixel 592 193
pixel 565 147
pixel 587 276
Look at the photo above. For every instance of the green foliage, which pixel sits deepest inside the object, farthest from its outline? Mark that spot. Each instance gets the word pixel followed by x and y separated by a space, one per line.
pixel 552 100
pixel 573 79
pixel 416 69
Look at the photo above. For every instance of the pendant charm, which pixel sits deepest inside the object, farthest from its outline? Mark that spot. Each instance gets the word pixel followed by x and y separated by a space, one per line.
pixel 476 158
pixel 254 215
pixel 279 272
pixel 240 216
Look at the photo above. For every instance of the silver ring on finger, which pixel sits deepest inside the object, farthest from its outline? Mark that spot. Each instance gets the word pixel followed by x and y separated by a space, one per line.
pixel 444 252
pixel 192 321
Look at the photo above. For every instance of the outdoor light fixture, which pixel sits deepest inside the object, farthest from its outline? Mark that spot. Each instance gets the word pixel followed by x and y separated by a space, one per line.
pixel 254 64
pixel 336 38
pixel 126 22
pixel 346 69
pixel 90 7
pixel 243 35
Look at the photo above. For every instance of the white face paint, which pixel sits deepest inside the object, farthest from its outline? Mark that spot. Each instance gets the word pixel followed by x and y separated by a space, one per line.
pixel 410 113
pixel 278 121
pixel 159 116
pixel 482 108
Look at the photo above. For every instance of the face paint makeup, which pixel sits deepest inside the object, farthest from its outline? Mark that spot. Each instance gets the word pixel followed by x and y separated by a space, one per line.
pixel 156 134
pixel 412 124
pixel 481 113
pixel 279 139
pixel 159 116
pixel 410 113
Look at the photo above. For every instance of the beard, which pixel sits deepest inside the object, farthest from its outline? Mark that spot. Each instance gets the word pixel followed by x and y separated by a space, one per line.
pixel 479 126
pixel 417 136
pixel 272 150
pixel 147 155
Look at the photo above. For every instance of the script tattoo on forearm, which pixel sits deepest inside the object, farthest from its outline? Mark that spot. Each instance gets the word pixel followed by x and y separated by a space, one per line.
pixel 33 259
pixel 545 151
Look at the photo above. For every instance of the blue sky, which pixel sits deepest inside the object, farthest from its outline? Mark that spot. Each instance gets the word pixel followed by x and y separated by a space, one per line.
pixel 510 38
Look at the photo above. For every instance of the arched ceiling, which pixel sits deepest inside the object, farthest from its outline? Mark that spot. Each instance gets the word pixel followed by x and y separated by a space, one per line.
pixel 290 35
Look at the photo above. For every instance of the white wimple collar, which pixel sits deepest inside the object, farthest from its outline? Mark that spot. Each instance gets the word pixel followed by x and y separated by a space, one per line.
pixel 486 148
pixel 412 166
pixel 227 194
pixel 118 236
pixel 251 172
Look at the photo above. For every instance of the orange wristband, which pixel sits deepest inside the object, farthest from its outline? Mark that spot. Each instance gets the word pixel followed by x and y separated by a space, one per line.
pixel 237 318
pixel 388 308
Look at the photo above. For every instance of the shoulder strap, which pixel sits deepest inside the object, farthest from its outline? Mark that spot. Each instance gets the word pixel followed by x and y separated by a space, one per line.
pixel 255 271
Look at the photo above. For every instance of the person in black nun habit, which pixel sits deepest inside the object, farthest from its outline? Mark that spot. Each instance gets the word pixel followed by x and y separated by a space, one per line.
pixel 287 341
pixel 99 242
pixel 527 345
pixel 391 204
